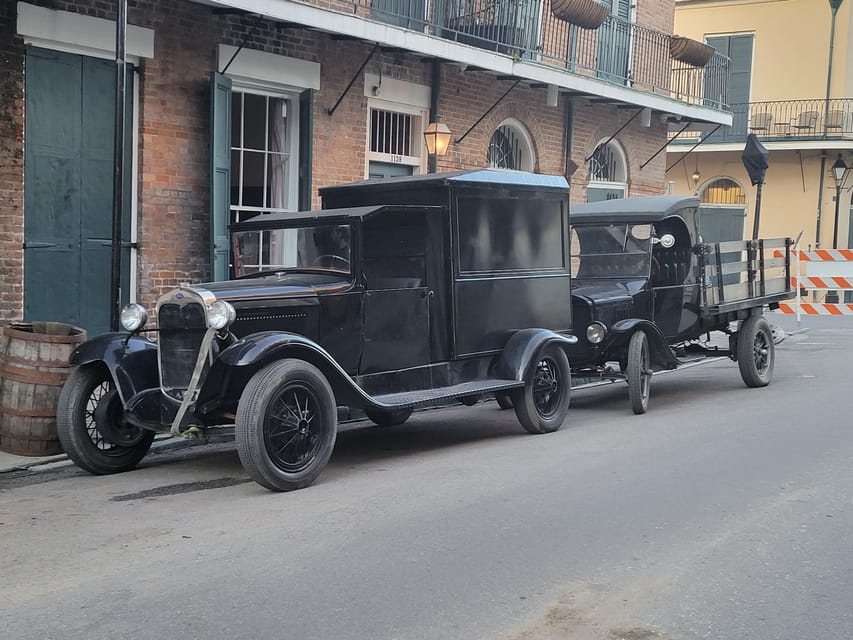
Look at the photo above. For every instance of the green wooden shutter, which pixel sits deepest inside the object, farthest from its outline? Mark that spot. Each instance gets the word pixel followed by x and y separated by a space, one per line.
pixel 220 174
pixel 306 133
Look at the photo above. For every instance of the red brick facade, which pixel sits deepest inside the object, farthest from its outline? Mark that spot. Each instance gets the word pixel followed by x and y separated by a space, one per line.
pixel 173 110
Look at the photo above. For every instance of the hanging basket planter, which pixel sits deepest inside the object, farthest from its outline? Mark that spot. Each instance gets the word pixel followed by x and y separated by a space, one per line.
pixel 587 14
pixel 690 51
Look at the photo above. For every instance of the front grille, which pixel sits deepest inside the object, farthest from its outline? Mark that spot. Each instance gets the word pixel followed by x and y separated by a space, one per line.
pixel 182 326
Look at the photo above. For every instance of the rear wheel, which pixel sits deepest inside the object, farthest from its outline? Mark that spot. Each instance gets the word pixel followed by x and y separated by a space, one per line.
pixel 541 405
pixel 756 352
pixel 91 426
pixel 639 372
pixel 286 425
pixel 384 418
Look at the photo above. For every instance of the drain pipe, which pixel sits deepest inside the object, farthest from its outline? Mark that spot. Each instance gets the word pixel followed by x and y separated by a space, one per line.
pixel 820 198
pixel 833 5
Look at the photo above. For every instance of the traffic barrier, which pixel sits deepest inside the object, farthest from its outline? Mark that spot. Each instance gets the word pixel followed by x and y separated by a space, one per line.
pixel 821 270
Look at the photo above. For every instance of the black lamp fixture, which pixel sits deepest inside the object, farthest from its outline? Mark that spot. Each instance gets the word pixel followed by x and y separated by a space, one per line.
pixel 437 137
pixel 696 177
pixel 839 174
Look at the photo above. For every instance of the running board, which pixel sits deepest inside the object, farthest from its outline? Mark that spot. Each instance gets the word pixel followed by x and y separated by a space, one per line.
pixel 414 399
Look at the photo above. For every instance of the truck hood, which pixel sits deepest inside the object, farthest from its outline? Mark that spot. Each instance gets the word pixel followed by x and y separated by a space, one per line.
pixel 279 285
pixel 606 291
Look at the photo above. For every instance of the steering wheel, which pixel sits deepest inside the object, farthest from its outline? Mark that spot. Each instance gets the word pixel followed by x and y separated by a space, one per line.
pixel 330 260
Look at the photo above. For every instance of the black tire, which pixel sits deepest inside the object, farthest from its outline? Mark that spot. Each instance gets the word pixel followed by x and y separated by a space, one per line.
pixel 756 351
pixel 384 418
pixel 91 425
pixel 504 399
pixel 286 425
pixel 542 403
pixel 639 372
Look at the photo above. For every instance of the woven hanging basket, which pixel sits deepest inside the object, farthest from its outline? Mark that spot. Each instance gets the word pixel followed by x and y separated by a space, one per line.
pixel 690 51
pixel 587 14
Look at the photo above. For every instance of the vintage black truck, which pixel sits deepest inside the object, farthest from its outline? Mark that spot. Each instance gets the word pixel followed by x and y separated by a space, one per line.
pixel 399 294
pixel 409 292
pixel 647 292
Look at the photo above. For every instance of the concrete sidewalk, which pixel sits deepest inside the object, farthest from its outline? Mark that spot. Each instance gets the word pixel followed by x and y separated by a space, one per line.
pixel 11 462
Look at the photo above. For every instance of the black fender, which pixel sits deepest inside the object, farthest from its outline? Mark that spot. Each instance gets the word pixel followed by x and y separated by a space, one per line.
pixel 130 359
pixel 659 350
pixel 522 349
pixel 258 349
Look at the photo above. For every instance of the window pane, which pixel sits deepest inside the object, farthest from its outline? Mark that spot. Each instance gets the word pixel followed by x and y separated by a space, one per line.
pixel 253 179
pixel 277 181
pixel 254 121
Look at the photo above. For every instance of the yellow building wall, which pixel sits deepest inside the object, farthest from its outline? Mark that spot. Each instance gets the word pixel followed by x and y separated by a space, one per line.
pixel 790 58
pixel 789 199
pixel 791 50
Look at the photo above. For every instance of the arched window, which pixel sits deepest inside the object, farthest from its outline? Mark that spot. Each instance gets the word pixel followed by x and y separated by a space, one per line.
pixel 723 191
pixel 511 147
pixel 608 172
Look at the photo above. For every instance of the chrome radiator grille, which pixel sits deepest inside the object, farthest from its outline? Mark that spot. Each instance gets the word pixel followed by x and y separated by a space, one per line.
pixel 182 325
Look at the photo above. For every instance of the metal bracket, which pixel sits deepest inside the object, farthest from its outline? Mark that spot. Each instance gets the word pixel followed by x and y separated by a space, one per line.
pixel 490 109
pixel 690 150
pixel 331 111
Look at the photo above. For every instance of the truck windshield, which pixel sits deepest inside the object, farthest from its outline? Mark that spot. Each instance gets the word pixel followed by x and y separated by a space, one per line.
pixel 611 251
pixel 321 247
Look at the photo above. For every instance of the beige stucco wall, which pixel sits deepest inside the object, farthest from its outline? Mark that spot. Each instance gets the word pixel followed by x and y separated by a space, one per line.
pixel 790 60
pixel 789 199
pixel 791 42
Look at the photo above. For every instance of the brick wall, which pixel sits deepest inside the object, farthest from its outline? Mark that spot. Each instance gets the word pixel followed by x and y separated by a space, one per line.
pixel 173 136
pixel 11 167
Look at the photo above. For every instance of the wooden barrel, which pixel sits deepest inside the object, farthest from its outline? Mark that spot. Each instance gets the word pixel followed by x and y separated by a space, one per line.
pixel 33 367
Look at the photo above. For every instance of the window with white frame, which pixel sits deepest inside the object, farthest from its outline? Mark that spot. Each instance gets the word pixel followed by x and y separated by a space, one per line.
pixel 396 117
pixel 608 172
pixel 264 150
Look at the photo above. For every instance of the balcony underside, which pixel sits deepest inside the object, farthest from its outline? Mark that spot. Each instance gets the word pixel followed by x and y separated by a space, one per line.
pixel 619 62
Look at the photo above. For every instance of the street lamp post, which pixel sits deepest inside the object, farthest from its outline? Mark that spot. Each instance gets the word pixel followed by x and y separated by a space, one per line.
pixel 839 174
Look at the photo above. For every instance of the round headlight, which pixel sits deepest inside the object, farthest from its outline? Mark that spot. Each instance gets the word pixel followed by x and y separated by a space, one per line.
pixel 595 332
pixel 221 314
pixel 133 316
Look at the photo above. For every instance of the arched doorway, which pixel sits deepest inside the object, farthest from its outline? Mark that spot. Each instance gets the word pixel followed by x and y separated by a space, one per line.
pixel 722 210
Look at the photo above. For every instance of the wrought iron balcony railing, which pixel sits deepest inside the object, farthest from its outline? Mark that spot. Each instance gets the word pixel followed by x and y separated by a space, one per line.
pixel 618 52
pixel 786 121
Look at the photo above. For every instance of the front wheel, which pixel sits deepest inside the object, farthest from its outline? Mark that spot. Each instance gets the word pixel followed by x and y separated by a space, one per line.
pixel 91 426
pixel 542 403
pixel 385 418
pixel 639 372
pixel 756 351
pixel 286 425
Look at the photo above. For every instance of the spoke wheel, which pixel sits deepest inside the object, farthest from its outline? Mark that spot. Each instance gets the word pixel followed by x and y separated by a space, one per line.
pixel 541 405
pixel 286 425
pixel 756 351
pixel 388 418
pixel 91 426
pixel 639 372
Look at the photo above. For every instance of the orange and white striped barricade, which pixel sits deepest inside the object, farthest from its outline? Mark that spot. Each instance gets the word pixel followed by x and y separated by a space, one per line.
pixel 821 270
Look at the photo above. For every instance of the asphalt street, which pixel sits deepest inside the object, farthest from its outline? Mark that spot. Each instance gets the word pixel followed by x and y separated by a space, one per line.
pixel 724 512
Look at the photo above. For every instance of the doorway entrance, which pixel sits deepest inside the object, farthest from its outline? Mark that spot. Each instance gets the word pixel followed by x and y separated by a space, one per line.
pixel 68 189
